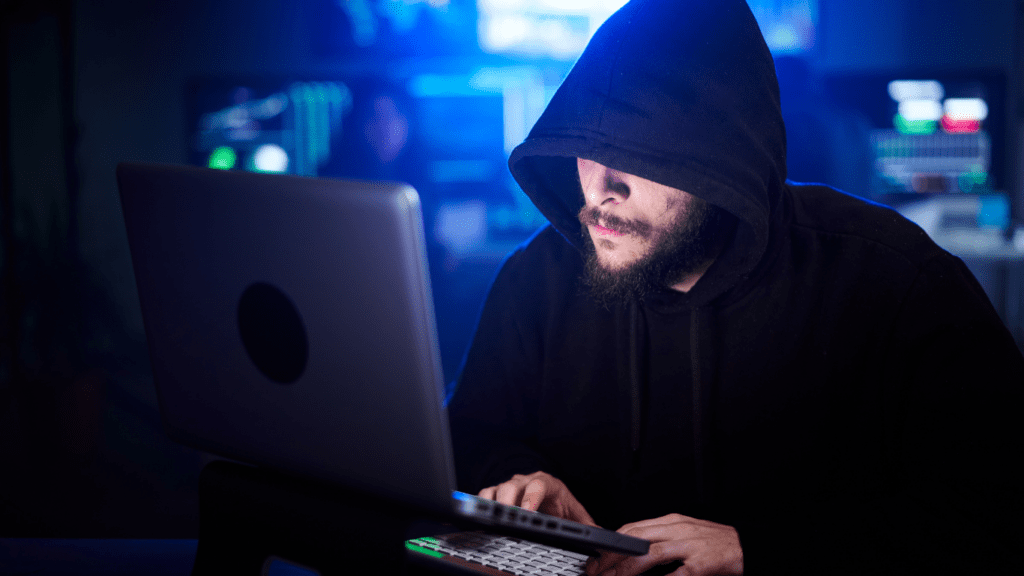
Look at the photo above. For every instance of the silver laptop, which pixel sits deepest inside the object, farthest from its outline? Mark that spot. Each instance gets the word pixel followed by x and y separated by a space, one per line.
pixel 290 325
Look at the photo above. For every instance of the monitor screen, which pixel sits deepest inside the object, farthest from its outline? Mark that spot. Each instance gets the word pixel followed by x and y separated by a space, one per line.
pixel 930 132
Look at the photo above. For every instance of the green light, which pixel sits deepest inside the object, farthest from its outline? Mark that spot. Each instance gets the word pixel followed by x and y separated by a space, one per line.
pixel 969 181
pixel 223 158
pixel 904 126
pixel 422 550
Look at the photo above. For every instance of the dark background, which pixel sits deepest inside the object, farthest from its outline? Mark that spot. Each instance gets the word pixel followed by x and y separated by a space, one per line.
pixel 88 84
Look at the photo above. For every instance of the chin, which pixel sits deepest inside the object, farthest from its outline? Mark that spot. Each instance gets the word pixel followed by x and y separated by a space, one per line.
pixel 614 264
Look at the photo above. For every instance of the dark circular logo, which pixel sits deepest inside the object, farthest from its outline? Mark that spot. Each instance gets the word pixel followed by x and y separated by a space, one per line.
pixel 273 333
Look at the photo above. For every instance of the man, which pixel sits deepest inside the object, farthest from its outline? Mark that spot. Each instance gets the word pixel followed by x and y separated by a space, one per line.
pixel 757 376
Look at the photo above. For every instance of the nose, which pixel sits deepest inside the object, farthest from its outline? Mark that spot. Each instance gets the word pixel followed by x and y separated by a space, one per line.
pixel 601 185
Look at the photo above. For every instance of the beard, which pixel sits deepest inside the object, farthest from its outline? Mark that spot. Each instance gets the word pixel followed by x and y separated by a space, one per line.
pixel 678 250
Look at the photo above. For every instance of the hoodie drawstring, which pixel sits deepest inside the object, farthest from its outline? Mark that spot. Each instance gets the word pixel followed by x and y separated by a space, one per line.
pixel 700 358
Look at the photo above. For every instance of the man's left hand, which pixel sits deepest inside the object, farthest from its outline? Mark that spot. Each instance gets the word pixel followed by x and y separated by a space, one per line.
pixel 704 548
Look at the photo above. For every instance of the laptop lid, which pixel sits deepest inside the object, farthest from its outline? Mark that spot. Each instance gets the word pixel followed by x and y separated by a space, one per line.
pixel 290 324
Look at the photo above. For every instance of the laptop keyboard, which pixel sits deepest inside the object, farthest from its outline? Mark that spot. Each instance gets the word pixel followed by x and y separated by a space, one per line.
pixel 510 555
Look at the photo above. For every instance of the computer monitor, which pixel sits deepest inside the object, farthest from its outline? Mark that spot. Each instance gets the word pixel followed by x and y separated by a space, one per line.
pixel 930 131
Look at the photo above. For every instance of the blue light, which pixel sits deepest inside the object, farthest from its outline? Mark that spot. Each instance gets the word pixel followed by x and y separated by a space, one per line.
pixel 993 211
pixel 558 29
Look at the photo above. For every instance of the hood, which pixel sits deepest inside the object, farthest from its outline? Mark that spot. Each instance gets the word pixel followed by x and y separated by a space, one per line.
pixel 680 92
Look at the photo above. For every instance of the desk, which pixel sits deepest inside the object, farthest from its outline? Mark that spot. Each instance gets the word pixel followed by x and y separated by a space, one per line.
pixel 114 557
pixel 93 557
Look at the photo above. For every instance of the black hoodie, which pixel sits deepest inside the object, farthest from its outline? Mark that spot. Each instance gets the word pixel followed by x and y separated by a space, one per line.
pixel 835 386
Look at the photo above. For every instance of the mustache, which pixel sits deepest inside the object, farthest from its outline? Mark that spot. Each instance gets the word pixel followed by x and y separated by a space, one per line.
pixel 592 216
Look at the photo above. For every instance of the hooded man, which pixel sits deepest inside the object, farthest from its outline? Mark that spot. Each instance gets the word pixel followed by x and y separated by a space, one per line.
pixel 757 376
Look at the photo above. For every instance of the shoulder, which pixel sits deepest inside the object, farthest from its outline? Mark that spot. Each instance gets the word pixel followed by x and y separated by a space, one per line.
pixel 873 253
pixel 854 224
pixel 545 258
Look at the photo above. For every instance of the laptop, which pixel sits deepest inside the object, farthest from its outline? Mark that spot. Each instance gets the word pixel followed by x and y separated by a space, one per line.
pixel 290 325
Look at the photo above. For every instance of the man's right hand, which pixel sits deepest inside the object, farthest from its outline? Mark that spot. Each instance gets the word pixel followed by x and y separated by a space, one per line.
pixel 540 492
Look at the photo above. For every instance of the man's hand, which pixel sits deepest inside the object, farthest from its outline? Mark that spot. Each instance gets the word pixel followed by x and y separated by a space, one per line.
pixel 539 492
pixel 703 547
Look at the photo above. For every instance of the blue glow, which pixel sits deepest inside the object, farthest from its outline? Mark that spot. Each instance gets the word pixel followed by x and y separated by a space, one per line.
pixel 784 38
pixel 994 211
pixel 558 29
pixel 461 226
pixel 280 567
pixel 788 25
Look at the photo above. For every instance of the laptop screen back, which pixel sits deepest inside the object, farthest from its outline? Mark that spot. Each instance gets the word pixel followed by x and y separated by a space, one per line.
pixel 290 324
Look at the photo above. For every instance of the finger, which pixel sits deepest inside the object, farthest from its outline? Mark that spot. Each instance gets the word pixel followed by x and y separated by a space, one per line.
pixel 667 519
pixel 646 529
pixel 533 495
pixel 488 492
pixel 660 553
pixel 508 493
pixel 603 562
pixel 665 547
pixel 663 532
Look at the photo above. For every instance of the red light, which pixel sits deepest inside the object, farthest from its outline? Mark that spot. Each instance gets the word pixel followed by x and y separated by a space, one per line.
pixel 960 126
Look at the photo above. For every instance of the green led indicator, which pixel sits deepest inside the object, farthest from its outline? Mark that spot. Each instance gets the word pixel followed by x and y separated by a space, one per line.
pixel 422 550
pixel 904 126
pixel 223 158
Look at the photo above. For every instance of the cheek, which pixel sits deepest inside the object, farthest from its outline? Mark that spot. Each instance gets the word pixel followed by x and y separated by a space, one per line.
pixel 677 207
pixel 675 203
pixel 668 213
